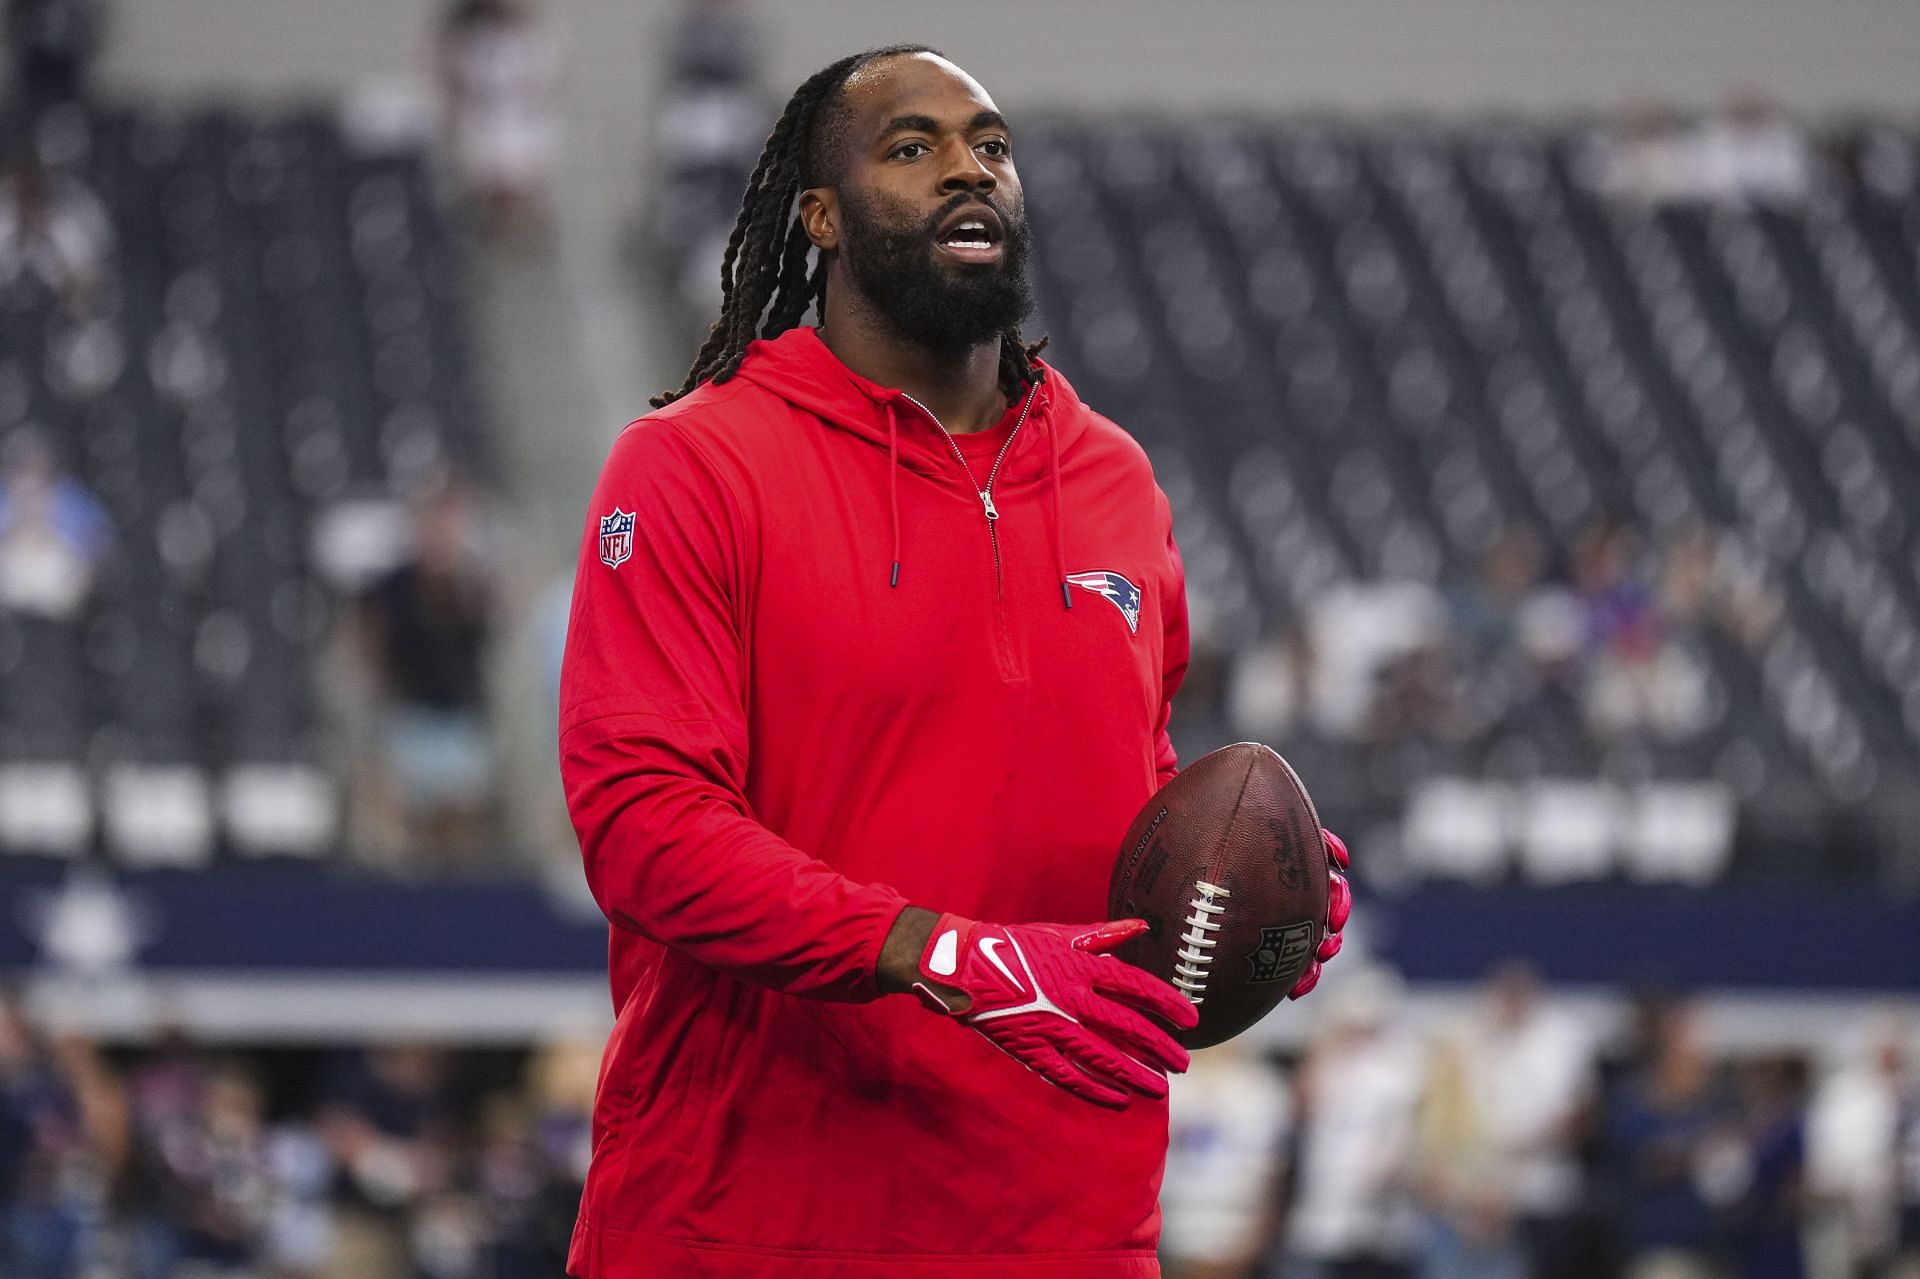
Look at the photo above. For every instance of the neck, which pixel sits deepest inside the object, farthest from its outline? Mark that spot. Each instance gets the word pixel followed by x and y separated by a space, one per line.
pixel 959 387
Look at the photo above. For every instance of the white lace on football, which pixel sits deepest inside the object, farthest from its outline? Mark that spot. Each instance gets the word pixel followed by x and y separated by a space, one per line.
pixel 1196 956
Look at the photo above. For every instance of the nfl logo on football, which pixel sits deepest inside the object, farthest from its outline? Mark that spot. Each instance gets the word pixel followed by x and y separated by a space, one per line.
pixel 616 538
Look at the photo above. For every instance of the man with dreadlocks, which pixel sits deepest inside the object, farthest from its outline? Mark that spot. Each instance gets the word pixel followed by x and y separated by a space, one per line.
pixel 871 613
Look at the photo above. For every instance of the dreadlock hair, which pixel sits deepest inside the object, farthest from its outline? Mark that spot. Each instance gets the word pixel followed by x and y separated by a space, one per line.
pixel 765 284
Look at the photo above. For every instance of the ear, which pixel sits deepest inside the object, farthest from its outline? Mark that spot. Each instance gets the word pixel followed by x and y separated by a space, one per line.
pixel 820 215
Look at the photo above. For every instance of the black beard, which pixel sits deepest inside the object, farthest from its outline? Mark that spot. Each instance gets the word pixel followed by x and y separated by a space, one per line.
pixel 939 308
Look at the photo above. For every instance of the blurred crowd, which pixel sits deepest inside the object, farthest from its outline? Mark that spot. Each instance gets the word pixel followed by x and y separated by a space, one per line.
pixel 1508 1141
pixel 420 606
pixel 1612 644
pixel 180 1162
pixel 1512 1143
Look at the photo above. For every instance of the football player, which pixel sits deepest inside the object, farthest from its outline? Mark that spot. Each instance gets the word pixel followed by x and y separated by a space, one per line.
pixel 873 641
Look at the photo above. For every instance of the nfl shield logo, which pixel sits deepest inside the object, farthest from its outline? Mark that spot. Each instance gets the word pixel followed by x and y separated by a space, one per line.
pixel 616 538
pixel 1282 953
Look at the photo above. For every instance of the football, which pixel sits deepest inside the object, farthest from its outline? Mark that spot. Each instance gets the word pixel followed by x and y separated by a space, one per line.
pixel 1226 865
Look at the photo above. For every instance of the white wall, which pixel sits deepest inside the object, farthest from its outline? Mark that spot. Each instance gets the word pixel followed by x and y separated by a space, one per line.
pixel 1356 53
pixel 1448 54
pixel 273 47
pixel 265 45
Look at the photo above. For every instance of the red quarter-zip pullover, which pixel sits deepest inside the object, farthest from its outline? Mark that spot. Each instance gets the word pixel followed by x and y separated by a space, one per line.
pixel 819 667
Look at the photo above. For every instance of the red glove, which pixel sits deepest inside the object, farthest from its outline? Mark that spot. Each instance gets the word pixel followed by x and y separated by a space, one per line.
pixel 1339 906
pixel 1050 997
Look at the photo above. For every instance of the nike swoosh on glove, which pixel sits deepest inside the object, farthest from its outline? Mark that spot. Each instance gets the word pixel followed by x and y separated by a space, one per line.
pixel 1050 997
pixel 1339 906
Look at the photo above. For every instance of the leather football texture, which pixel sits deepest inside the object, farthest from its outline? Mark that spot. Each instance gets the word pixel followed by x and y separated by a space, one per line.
pixel 1227 866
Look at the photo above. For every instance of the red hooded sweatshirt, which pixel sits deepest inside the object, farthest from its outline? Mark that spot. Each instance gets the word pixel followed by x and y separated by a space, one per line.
pixel 808 681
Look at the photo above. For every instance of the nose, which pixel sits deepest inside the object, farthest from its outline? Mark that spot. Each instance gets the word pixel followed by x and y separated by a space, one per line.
pixel 965 171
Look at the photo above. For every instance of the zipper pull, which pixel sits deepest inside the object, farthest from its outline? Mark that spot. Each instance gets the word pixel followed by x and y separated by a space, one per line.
pixel 986 500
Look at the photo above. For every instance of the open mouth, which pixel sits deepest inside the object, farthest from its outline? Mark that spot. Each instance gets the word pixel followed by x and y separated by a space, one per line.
pixel 972 235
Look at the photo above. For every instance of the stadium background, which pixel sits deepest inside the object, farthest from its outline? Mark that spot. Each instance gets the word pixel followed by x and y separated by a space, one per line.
pixel 1539 390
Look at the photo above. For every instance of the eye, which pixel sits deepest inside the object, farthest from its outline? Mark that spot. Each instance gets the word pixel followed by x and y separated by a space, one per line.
pixel 901 149
pixel 997 147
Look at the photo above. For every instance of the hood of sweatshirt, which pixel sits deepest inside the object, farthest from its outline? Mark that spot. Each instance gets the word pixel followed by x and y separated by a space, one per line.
pixel 1050 420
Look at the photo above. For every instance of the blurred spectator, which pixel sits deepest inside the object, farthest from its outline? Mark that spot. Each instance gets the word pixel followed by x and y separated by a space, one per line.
pixel 1361 633
pixel 562 1077
pixel 526 1201
pixel 1622 619
pixel 499 74
pixel 1749 153
pixel 53 533
pixel 233 1194
pixel 54 234
pixel 1352 1212
pixel 1528 1072
pixel 1641 679
pixel 1752 153
pixel 64 1136
pixel 1269 685
pixel 427 626
pixel 1642 156
pixel 166 1090
pixel 389 1122
pixel 35 1235
pixel 1414 697
pixel 1514 637
pixel 1485 611
pixel 53 43
pixel 165 1095
pixel 1544 712
pixel 1769 1213
pixel 1229 1123
pixel 1855 1162
pixel 1500 1121
pixel 1468 1230
pixel 1709 579
pixel 533 1164
pixel 712 119
pixel 1670 1128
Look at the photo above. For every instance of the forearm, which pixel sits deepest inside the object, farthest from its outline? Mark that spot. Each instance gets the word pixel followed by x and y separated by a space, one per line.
pixel 899 965
pixel 678 859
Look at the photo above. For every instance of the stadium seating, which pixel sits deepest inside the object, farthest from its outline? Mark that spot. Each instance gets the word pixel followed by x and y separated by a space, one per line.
pixel 1357 351
pixel 282 335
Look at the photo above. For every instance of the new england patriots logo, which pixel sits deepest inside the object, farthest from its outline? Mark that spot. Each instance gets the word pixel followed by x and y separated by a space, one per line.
pixel 616 538
pixel 1124 594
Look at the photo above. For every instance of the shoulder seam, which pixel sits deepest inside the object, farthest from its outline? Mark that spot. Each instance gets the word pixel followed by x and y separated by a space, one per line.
pixel 714 469
pixel 591 720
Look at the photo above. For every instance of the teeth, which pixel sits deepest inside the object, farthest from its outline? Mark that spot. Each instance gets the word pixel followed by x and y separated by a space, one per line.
pixel 971 234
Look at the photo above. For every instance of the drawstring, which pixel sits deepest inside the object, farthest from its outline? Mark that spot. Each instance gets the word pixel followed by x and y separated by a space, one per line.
pixel 893 486
pixel 1059 513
